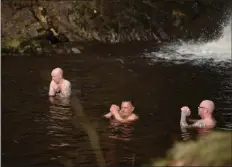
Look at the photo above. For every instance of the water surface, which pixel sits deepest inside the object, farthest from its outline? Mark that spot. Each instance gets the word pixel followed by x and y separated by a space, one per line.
pixel 35 132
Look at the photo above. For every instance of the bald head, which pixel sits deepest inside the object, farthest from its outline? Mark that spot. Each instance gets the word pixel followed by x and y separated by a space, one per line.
pixel 57 75
pixel 208 104
pixel 57 71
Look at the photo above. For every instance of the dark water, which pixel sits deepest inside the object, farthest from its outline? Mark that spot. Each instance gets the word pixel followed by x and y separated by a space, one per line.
pixel 35 132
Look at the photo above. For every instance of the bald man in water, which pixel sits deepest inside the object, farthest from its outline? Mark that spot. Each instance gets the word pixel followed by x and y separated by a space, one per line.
pixel 59 86
pixel 205 111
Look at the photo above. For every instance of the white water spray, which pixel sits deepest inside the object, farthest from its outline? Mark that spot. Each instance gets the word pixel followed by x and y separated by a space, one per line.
pixel 217 51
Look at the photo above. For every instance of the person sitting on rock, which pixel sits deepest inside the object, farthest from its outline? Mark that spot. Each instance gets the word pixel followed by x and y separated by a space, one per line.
pixel 52 32
pixel 123 115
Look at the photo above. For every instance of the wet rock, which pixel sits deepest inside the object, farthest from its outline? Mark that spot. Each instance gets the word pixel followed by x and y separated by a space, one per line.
pixel 196 9
pixel 156 37
pixel 177 22
pixel 39 50
pixel 162 34
pixel 68 51
pixel 75 51
pixel 15 25
pixel 34 30
pixel 59 51
pixel 96 36
pixel 25 49
pixel 113 22
pixel 11 43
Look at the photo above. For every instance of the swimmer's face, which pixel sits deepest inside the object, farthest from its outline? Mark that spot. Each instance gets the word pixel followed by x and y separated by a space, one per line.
pixel 202 109
pixel 126 109
pixel 56 77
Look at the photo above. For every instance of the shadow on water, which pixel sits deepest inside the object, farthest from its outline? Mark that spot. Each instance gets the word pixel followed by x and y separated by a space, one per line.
pixel 36 132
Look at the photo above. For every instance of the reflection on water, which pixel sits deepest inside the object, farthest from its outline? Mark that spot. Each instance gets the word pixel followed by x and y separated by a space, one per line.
pixel 119 139
pixel 185 134
pixel 60 101
pixel 120 131
pixel 58 127
pixel 58 117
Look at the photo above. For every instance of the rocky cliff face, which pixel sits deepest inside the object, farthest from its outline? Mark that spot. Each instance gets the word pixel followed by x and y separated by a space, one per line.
pixel 110 21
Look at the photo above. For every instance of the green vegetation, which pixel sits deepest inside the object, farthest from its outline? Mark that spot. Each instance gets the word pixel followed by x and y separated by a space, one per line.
pixel 213 149
pixel 12 43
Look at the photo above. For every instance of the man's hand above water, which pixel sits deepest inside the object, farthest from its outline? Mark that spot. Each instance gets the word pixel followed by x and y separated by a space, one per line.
pixel 185 110
pixel 114 109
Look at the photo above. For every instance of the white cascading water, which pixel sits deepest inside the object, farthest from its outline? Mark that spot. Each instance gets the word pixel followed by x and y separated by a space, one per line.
pixel 217 51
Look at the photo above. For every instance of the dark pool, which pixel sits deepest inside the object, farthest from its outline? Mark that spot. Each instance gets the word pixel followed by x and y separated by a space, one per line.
pixel 35 132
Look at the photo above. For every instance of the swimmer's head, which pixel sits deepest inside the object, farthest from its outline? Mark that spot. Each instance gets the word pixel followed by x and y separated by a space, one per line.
pixel 127 107
pixel 206 108
pixel 57 75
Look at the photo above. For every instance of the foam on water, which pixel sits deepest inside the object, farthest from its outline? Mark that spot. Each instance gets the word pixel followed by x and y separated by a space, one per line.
pixel 215 51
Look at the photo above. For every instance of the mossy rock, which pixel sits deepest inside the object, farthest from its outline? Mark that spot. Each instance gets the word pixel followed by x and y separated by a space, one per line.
pixel 11 43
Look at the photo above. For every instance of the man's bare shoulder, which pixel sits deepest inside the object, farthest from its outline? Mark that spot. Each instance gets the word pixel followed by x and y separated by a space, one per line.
pixel 199 122
pixel 66 82
pixel 133 117
pixel 205 123
pixel 210 123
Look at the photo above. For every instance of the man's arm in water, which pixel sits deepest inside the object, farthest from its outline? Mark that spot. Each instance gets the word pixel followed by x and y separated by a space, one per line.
pixel 184 124
pixel 198 124
pixel 109 115
pixel 113 108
